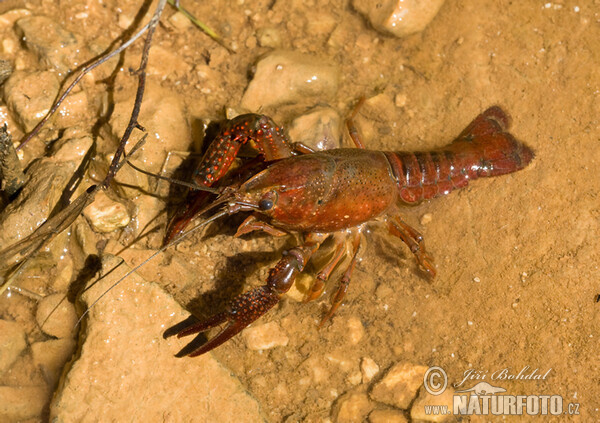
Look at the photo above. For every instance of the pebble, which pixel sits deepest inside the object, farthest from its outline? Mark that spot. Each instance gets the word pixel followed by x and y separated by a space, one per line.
pixel 369 368
pixel 105 214
pixel 356 330
pixel 265 336
pixel 319 129
pixel 399 17
pixel 426 218
pixel 287 77
pixel 29 96
pixel 180 21
pixel 51 356
pixel 269 37
pixel 400 385
pixel 56 316
pixel 53 44
pixel 12 343
pixel 387 416
pixel 417 411
pixel 352 407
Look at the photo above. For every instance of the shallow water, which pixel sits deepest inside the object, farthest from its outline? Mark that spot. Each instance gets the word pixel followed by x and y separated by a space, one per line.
pixel 517 256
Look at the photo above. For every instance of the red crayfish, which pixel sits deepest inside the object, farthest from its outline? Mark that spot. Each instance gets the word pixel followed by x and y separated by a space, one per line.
pixel 332 193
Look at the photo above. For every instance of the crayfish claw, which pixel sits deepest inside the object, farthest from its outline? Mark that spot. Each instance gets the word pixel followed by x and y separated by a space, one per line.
pixel 244 310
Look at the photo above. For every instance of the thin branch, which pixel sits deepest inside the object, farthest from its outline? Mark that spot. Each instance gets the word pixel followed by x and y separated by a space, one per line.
pixel 141 72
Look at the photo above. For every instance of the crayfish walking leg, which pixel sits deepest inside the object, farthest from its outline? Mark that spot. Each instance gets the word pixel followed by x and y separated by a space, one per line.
pixel 251 305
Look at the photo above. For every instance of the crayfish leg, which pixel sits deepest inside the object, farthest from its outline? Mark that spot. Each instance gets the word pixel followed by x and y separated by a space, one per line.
pixel 318 285
pixel 414 240
pixel 344 281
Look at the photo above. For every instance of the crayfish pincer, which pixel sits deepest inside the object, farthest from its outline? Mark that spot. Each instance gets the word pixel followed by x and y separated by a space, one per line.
pixel 331 194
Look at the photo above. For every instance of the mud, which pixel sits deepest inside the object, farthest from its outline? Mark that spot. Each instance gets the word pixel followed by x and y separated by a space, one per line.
pixel 516 256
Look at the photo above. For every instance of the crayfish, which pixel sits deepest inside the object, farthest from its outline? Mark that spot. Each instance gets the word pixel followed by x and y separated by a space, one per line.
pixel 329 194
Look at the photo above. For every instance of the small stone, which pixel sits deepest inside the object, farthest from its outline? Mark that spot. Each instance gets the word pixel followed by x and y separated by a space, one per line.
pixel 318 129
pixel 54 45
pixel 56 316
pixel 354 378
pixel 71 149
pixel 400 385
pixel 425 399
pixel 269 37
pixel 399 17
pixel 400 100
pixel 387 416
pixel 266 336
pixel 180 21
pixel 352 407
pixel 105 214
pixel 426 218
pixel 368 368
pixel 51 356
pixel 286 77
pixel 22 402
pixel 356 330
pixel 12 343
pixel 29 95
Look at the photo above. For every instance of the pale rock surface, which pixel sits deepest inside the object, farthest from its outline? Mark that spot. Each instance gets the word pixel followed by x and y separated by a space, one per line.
pixel 399 17
pixel 126 368
pixel 399 385
pixel 56 316
pixel 446 398
pixel 290 77
pixel 352 407
pixel 265 336
pixel 387 416
pixel 12 343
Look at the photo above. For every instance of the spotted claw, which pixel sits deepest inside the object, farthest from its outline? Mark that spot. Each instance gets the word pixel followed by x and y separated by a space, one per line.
pixel 244 310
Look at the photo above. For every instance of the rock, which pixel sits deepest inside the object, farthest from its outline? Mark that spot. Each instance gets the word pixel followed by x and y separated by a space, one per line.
pixel 44 185
pixel 285 77
pixel 356 330
pixel 265 336
pixel 23 402
pixel 164 118
pixel 12 343
pixel 352 407
pixel 105 214
pixel 399 17
pixel 269 37
pixel 56 316
pixel 125 361
pixel 400 385
pixel 5 70
pixel 51 356
pixel 387 416
pixel 29 95
pixel 368 368
pixel 446 398
pixel 54 45
pixel 318 129
pixel 71 149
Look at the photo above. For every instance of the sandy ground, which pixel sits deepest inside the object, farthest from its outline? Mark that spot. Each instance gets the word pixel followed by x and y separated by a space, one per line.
pixel 517 256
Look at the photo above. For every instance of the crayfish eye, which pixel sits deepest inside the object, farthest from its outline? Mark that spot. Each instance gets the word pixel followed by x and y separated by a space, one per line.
pixel 268 201
pixel 265 204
